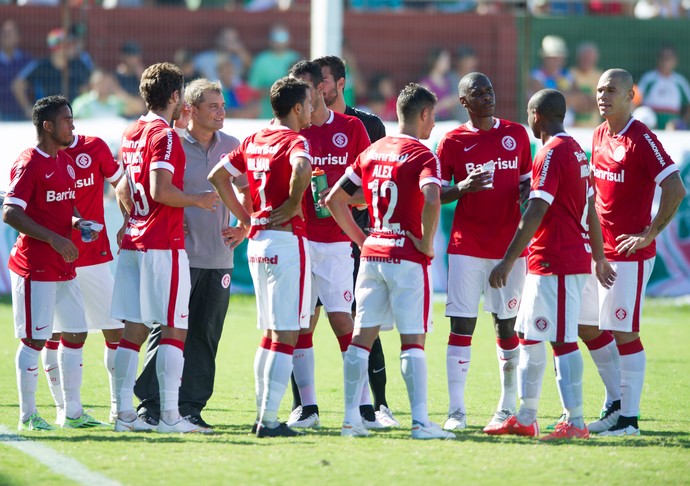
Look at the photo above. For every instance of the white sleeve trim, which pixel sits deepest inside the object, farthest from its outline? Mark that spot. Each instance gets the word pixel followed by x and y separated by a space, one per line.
pixel 429 180
pixel 162 165
pixel 297 155
pixel 590 192
pixel 525 177
pixel 115 176
pixel 15 201
pixel 445 183
pixel 665 173
pixel 353 177
pixel 232 170
pixel 542 195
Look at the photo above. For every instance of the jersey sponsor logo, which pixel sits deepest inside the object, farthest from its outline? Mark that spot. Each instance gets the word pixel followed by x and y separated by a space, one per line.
pixel 512 304
pixel 261 220
pixel 330 160
pixel 169 142
pixel 88 181
pixel 260 149
pixel 584 171
pixel 133 144
pixel 70 171
pixel 509 143
pixel 259 164
pixel 54 196
pixel 376 259
pixel 541 323
pixel 467 149
pixel 383 171
pixel 619 153
pixel 48 176
pixel 340 140
pixel 607 175
pixel 83 160
pixel 655 149
pixel 499 164
pixel 225 281
pixel 545 168
pixel 263 259
pixel 621 314
pixel 388 157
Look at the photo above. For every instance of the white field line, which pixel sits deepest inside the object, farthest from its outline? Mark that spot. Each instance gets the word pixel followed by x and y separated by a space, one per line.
pixel 56 462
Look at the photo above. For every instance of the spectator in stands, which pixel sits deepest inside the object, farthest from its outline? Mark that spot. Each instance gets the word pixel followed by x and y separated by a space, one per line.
pixel 241 100
pixel 465 62
pixel 130 68
pixel 439 82
pixel 382 97
pixel 647 9
pixel 106 99
pixel 228 45
pixel 375 4
pixel 666 91
pixel 12 61
pixel 552 72
pixel 271 65
pixel 355 87
pixel 43 77
pixel 586 76
pixel 185 61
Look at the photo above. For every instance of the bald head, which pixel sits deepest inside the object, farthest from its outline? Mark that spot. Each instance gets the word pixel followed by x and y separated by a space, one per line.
pixel 549 103
pixel 623 77
pixel 470 80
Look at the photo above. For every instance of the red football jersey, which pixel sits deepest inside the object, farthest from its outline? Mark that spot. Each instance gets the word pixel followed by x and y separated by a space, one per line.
pixel 626 169
pixel 561 177
pixel 392 172
pixel 94 164
pixel 267 157
pixel 43 187
pixel 484 222
pixel 150 144
pixel 334 147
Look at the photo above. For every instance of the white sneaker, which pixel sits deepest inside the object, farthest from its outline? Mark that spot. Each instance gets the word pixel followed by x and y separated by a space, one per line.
pixel 295 415
pixel 499 417
pixel 182 426
pixel 310 422
pixel 375 424
pixel 384 416
pixel 608 419
pixel 136 425
pixel 431 431
pixel 353 430
pixel 629 430
pixel 457 420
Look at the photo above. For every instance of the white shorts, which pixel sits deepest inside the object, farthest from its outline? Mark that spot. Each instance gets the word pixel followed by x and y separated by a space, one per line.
pixel 550 307
pixel 589 307
pixel 96 282
pixel 279 264
pixel 394 293
pixel 152 287
pixel 332 266
pixel 620 307
pixel 468 277
pixel 37 305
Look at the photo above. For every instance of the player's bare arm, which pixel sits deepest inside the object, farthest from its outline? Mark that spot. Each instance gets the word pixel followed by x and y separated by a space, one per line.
pixel 672 194
pixel 299 181
pixel 525 187
pixel 234 235
pixel 477 180
pixel 337 203
pixel 164 192
pixel 221 180
pixel 536 209
pixel 76 224
pixel 602 268
pixel 430 216
pixel 23 223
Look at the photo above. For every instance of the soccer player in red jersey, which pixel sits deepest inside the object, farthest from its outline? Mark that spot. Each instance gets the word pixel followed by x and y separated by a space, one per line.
pixel 400 178
pixel 559 221
pixel 152 281
pixel 335 141
pixel 93 164
pixel 486 216
pixel 277 162
pixel 41 206
pixel 628 162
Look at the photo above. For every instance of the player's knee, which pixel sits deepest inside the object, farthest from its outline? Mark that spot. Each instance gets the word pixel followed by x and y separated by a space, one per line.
pixel 463 325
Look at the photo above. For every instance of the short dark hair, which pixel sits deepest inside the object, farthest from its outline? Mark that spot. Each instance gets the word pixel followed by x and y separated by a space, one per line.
pixel 286 93
pixel 550 103
pixel 307 67
pixel 468 80
pixel 46 109
pixel 334 63
pixel 412 100
pixel 158 83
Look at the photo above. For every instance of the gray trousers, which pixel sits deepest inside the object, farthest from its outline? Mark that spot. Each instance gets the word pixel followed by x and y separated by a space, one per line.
pixel 208 304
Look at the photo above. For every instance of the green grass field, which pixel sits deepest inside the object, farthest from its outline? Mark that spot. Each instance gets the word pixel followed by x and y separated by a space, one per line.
pixel 233 456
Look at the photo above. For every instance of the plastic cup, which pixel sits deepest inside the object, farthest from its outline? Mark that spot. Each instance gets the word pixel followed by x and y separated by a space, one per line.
pixel 85 227
pixel 491 168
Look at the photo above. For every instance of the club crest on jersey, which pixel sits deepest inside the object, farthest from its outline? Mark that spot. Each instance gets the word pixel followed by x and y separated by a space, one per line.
pixel 70 171
pixel 347 295
pixel 512 304
pixel 508 143
pixel 83 160
pixel 619 153
pixel 225 281
pixel 621 314
pixel 541 324
pixel 340 140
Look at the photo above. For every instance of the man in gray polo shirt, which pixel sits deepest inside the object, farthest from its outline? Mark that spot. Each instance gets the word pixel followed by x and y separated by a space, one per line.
pixel 209 243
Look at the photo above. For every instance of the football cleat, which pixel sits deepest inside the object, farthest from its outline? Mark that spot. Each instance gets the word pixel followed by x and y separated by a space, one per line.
pixel 457 420
pixel 385 417
pixel 352 430
pixel 136 425
pixel 197 420
pixel 566 430
pixel 182 426
pixel 309 422
pixel 295 414
pixel 372 424
pixel 84 421
pixel 499 417
pixel 35 422
pixel 608 420
pixel 282 430
pixel 625 427
pixel 561 419
pixel 431 431
pixel 513 427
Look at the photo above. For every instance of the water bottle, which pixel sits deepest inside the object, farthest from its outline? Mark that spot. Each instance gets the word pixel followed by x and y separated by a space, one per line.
pixel 319 182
